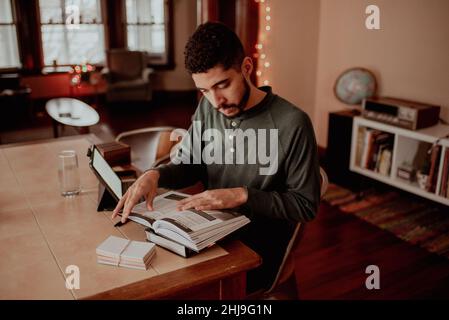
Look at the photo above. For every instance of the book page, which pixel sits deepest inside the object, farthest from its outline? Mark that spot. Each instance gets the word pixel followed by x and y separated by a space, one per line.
pixel 165 207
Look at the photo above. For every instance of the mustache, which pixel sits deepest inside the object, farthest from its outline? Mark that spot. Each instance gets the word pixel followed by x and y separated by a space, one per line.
pixel 226 106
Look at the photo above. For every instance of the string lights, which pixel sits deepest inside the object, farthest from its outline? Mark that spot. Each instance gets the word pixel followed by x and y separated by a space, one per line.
pixel 264 64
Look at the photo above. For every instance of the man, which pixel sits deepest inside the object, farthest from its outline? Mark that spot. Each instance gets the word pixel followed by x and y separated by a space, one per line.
pixel 274 198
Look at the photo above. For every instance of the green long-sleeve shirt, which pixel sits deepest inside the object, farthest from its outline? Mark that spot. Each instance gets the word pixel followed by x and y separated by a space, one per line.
pixel 290 192
pixel 283 187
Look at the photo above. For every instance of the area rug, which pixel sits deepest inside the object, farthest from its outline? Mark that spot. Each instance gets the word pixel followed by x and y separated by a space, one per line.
pixel 409 218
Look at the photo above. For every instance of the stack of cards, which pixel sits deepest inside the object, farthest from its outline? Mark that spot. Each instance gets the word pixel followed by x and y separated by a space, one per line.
pixel 125 253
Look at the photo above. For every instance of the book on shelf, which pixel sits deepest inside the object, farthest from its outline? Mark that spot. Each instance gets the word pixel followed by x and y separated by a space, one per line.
pixel 122 252
pixel 374 150
pixel 434 166
pixel 360 144
pixel 193 229
pixel 445 175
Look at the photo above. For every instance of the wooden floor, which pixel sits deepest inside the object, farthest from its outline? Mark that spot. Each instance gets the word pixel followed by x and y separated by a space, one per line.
pixel 336 249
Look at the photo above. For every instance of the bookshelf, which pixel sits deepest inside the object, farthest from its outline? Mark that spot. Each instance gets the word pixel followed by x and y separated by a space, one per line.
pixel 381 151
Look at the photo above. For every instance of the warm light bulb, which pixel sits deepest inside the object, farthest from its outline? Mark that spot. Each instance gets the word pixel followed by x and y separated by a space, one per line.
pixel 267 9
pixel 262 1
pixel 268 28
pixel 266 64
pixel 259 46
pixel 266 82
pixel 263 56
pixel 259 73
pixel 268 18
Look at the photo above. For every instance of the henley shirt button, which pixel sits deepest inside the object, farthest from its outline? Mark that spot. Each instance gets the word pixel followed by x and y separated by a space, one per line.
pixel 233 123
pixel 231 137
pixel 232 149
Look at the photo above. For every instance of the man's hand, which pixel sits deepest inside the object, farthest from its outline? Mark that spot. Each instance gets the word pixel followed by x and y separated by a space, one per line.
pixel 215 199
pixel 144 186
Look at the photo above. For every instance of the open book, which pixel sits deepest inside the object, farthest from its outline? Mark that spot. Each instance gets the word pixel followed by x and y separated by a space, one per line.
pixel 193 229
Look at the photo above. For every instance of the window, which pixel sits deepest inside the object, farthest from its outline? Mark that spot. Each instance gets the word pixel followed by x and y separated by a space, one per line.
pixel 72 32
pixel 9 52
pixel 147 28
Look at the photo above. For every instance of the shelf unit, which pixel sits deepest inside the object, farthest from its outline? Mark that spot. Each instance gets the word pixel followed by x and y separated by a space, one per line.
pixel 404 148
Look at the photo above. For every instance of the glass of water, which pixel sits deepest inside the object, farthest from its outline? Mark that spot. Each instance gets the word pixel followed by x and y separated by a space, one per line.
pixel 69 179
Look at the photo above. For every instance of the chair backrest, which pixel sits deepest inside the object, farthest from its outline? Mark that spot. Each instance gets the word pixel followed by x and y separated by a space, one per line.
pixel 286 268
pixel 149 146
pixel 125 64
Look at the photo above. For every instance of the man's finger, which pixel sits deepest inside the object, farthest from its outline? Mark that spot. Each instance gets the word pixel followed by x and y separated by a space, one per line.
pixel 119 205
pixel 187 200
pixel 206 207
pixel 149 199
pixel 130 203
pixel 195 203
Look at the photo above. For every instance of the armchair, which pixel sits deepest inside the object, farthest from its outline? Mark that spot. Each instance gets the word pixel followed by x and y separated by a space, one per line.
pixel 127 76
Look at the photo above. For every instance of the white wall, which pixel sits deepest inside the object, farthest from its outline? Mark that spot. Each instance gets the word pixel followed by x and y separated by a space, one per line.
pixel 313 41
pixel 291 47
pixel 409 55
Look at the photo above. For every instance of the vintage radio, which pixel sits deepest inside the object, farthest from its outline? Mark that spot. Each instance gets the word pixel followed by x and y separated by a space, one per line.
pixel 402 113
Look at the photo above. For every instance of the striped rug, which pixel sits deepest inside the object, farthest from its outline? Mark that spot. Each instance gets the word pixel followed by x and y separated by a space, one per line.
pixel 409 218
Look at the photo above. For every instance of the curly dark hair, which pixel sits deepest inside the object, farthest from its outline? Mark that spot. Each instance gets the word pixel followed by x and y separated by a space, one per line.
pixel 211 45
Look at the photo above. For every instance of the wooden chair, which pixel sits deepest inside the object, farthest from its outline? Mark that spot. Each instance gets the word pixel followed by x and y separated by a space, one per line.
pixel 284 285
pixel 149 146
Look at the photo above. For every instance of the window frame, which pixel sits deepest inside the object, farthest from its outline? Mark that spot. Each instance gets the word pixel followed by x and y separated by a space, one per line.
pixel 169 36
pixel 41 45
pixel 14 23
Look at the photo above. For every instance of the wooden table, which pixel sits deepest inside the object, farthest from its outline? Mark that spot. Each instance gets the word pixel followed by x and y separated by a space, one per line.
pixel 42 233
pixel 71 112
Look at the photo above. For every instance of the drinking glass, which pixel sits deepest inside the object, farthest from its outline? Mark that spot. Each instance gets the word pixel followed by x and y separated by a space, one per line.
pixel 69 179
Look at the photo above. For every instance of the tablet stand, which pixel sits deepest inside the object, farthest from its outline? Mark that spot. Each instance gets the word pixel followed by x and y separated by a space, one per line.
pixel 106 202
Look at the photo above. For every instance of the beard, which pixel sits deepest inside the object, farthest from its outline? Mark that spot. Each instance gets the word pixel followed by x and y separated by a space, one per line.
pixel 242 104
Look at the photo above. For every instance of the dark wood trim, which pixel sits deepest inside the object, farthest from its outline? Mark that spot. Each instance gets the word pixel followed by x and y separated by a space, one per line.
pixel 247 28
pixel 170 65
pixel 242 16
pixel 29 36
pixel 209 11
pixel 114 22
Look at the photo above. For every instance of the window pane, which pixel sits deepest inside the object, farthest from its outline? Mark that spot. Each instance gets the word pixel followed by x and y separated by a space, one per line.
pixel 86 11
pixel 72 32
pixel 51 11
pixel 5 11
pixel 9 53
pixel 89 10
pixel 73 46
pixel 157 11
pixel 145 11
pixel 151 35
pixel 147 38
